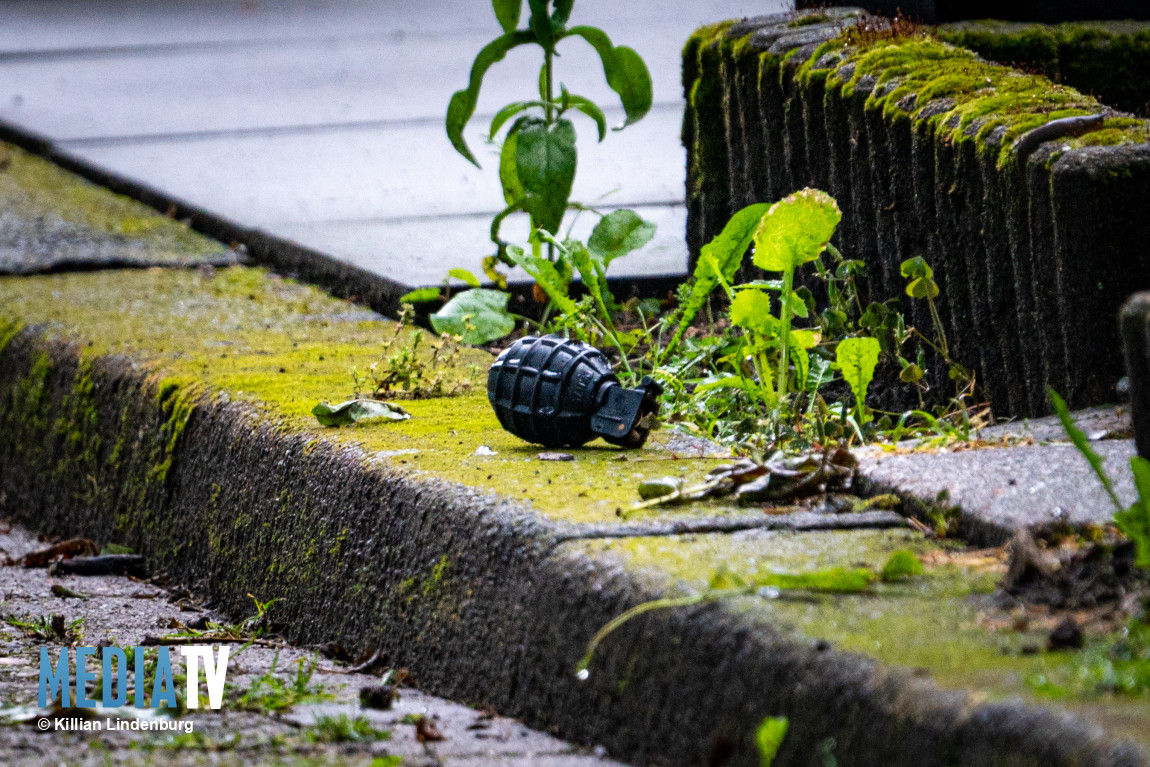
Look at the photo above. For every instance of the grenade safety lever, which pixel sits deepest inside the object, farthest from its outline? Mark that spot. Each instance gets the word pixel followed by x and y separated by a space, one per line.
pixel 560 393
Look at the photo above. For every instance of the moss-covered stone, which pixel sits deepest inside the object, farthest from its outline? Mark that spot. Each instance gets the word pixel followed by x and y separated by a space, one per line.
pixel 933 151
pixel 1109 59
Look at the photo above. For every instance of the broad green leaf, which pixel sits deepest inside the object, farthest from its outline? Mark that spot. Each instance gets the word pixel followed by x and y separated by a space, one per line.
pixel 797 306
pixel 727 381
pixel 857 359
pixel 751 310
pixel 921 276
pixel 769 737
pixel 726 250
pixel 548 277
pixel 617 234
pixel 803 339
pixel 819 372
pixel 592 110
pixel 1135 523
pixel 795 230
pixel 352 411
pixel 1078 438
pixel 507 13
pixel 729 246
pixel 626 73
pixel 462 104
pixel 464 276
pixel 478 316
pixel 513 192
pixel 912 373
pixel 761 285
pixel 545 161
pixel 419 296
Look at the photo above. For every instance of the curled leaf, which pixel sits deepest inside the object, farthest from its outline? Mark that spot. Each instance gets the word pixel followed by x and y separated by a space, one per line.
pixel 355 410
pixel 462 104
pixel 795 230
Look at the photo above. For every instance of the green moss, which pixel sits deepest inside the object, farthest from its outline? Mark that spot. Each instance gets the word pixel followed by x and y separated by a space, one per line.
pixel 1110 60
pixel 986 98
pixel 934 623
pixel 235 332
pixel 32 187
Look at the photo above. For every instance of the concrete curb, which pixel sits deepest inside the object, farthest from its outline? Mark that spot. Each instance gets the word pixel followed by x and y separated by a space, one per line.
pixel 475 593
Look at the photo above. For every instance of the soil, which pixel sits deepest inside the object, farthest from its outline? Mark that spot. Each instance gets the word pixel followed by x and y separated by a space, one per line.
pixel 1096 576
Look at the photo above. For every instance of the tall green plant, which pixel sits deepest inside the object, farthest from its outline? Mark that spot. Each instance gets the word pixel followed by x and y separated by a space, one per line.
pixel 538 157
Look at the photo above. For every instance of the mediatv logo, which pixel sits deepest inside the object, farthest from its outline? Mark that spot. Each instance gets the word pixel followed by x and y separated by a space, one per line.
pixel 55 683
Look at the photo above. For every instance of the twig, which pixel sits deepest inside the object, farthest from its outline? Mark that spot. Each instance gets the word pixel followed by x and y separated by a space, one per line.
pixel 150 641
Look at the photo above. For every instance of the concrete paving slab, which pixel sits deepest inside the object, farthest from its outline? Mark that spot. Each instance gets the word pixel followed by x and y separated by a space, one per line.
pixel 392 172
pixel 73 24
pixel 256 87
pixel 997 491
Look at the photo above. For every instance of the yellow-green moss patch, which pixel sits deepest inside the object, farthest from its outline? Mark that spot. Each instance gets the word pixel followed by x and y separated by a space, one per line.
pixel 284 347
pixel 934 622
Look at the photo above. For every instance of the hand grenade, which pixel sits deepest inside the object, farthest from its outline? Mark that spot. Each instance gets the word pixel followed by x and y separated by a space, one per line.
pixel 560 393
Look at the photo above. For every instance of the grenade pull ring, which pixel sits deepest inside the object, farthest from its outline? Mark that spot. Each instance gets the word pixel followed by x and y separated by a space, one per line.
pixel 561 393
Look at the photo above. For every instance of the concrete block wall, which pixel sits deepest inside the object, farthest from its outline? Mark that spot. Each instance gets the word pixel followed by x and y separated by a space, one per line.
pixel 1029 199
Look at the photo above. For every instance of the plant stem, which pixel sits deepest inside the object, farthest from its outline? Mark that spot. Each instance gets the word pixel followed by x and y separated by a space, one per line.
pixel 785 316
pixel 549 109
pixel 937 321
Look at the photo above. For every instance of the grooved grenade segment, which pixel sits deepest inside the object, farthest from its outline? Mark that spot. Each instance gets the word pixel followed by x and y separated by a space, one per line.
pixel 560 393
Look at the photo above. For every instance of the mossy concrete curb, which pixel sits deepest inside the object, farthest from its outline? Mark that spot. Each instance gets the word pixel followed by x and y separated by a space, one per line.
pixel 484 598
pixel 1109 59
pixel 1026 197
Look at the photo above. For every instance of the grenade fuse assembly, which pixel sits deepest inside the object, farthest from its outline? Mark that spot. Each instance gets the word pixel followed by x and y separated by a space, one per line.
pixel 561 393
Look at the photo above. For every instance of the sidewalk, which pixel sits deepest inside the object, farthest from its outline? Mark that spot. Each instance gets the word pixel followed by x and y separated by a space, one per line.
pixel 321 123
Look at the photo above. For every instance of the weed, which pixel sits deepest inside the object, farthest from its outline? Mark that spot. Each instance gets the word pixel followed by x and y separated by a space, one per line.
pixel 344 729
pixel 413 369
pixel 271 693
pixel 1119 665
pixel 49 628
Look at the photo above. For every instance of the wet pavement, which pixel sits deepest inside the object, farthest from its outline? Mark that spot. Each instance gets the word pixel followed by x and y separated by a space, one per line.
pixel 321 122
pixel 326 724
